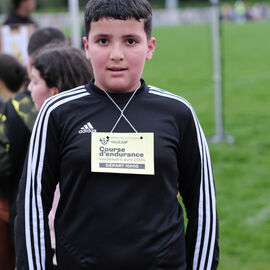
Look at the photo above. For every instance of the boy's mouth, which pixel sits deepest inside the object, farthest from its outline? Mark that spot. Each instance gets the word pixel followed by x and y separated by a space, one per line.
pixel 116 69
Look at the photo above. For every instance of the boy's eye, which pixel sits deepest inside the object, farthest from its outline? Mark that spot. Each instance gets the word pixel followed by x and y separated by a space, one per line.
pixel 131 41
pixel 103 41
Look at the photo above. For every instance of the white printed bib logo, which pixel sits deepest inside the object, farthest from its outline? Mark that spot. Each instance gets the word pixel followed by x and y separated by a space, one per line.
pixel 122 153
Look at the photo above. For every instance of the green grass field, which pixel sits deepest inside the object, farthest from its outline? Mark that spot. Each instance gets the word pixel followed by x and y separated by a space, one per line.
pixel 183 64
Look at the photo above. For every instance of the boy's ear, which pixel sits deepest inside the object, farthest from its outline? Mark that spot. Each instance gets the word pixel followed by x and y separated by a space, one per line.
pixel 86 47
pixel 54 90
pixel 151 48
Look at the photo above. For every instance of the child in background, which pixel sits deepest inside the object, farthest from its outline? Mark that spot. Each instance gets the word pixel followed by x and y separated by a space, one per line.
pixel 21 13
pixel 55 70
pixel 16 123
pixel 20 115
pixel 12 79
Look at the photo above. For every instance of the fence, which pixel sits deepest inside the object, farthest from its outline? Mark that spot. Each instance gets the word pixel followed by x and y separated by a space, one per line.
pixel 162 16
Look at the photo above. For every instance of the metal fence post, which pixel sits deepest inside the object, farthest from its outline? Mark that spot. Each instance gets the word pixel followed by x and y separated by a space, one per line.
pixel 75 22
pixel 217 78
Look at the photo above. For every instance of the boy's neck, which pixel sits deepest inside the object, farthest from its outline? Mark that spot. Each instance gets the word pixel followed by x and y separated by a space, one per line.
pixel 119 92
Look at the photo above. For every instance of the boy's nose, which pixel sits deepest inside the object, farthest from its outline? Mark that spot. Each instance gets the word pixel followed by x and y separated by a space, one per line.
pixel 116 53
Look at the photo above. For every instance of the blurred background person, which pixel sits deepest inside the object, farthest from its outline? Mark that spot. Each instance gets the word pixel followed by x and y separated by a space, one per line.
pixel 12 76
pixel 18 119
pixel 21 113
pixel 240 11
pixel 17 29
pixel 12 79
pixel 21 13
pixel 56 70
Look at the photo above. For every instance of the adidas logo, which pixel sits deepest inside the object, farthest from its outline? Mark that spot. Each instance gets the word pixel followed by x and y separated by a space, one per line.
pixel 87 128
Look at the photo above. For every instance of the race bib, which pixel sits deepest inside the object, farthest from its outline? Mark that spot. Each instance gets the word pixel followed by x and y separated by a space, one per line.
pixel 122 153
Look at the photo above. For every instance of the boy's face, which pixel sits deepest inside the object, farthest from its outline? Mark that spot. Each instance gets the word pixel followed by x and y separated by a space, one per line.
pixel 118 50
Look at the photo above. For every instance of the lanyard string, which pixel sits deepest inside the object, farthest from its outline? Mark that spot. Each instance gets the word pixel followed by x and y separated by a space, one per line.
pixel 122 110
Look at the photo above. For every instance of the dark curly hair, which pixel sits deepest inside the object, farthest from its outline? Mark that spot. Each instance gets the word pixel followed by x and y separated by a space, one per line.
pixel 42 36
pixel 65 68
pixel 12 72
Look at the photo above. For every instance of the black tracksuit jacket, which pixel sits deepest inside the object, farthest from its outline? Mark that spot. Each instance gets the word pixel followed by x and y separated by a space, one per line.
pixel 109 221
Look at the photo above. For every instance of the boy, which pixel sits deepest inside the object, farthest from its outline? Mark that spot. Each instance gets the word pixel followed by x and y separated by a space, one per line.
pixel 119 150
